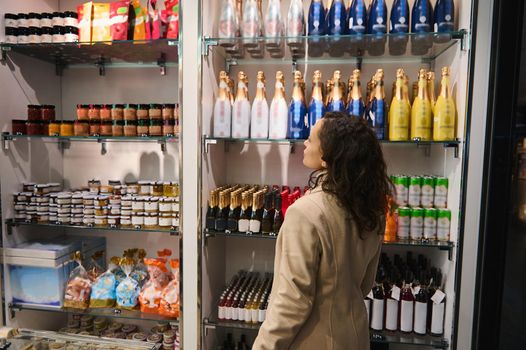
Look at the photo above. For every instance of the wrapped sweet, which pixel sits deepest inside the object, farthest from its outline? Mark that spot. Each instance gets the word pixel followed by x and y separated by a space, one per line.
pixel 127 292
pixel 94 269
pixel 170 302
pixel 150 296
pixel 103 290
pixel 140 272
pixel 78 288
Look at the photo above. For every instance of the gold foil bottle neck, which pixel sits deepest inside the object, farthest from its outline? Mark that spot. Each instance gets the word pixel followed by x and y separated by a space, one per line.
pixel 446 71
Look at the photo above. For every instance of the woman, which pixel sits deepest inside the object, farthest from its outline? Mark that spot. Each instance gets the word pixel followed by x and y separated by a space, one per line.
pixel 328 247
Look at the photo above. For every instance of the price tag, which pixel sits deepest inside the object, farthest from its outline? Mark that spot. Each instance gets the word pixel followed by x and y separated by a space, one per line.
pixel 395 293
pixel 438 296
pixel 370 295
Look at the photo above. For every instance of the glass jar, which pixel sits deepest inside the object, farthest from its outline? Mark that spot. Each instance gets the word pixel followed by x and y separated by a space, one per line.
pixel 34 35
pixel 117 112
pixel 58 18
pixel 94 127
pixel 94 112
pixel 18 127
pixel 156 127
pixel 59 34
pixel 71 34
pixel 82 112
pixel 88 220
pixel 33 20
pixel 113 220
pixel 22 20
pixel 151 205
pixel 132 187
pixel 81 128
pixel 77 220
pixel 75 210
pixel 126 212
pixel 130 128
pixel 165 220
pixel 155 111
pixel 101 221
pixel 66 128
pixel 175 205
pixel 71 19
pixel 88 210
pixel 151 220
pixel 175 220
pixel 106 128
pixel 101 201
pixel 44 127
pixel 101 211
pixel 137 220
pixel 117 128
pixel 47 112
pixel 168 111
pixel 11 35
pixel 105 112
pixel 46 35
pixel 119 190
pixel 22 35
pixel 46 20
pixel 41 189
pixel 34 112
pixel 142 111
pixel 28 186
pixel 126 221
pixel 54 128
pixel 43 218
pixel 10 20
pixel 130 112
pixel 126 201
pixel 145 188
pixel 138 205
pixel 168 127
pixel 165 205
pixel 63 198
pixel 94 186
pixel 34 127
pixel 76 199
pixel 143 125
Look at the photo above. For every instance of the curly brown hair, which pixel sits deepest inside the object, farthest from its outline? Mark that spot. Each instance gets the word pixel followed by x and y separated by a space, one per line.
pixel 356 173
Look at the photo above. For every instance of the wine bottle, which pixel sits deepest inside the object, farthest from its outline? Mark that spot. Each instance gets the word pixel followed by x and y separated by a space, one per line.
pixel 357 17
pixel 222 108
pixel 257 213
pixel 391 308
pixel 251 25
pixel 213 207
pixel 235 209
pixel 431 89
pixel 241 109
pixel 285 201
pixel 377 318
pixel 421 300
pixel 246 212
pixel 260 111
pixel 399 24
pixel 422 17
pixel 222 212
pixel 337 99
pixel 355 104
pixel 421 113
pixel 268 214
pixel 445 111
pixel 242 344
pixel 295 24
pixel 297 128
pixel 378 110
pixel 316 20
pixel 278 110
pixel 274 25
pixel 406 307
pixel 278 215
pixel 400 111
pixel 444 18
pixel 438 310
pixel 317 105
pixel 228 22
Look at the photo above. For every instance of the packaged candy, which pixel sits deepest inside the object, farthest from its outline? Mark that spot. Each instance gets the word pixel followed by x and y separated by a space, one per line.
pixel 127 292
pixel 78 288
pixel 139 24
pixel 155 27
pixel 101 22
pixel 119 20
pixel 140 272
pixel 85 12
pixel 103 292
pixel 170 296
pixel 150 296
pixel 93 268
pixel 172 18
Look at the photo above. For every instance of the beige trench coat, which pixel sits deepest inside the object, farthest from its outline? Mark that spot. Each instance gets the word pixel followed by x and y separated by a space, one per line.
pixel 322 272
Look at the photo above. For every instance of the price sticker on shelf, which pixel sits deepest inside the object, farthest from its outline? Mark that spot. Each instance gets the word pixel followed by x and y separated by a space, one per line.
pixel 395 293
pixel 438 296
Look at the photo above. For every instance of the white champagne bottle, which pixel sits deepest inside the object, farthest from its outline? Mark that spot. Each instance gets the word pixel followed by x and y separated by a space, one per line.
pixel 222 108
pixel 279 110
pixel 260 111
pixel 241 109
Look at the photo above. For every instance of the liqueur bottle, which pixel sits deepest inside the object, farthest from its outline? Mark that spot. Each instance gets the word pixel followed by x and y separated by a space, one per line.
pixel 406 307
pixel 222 108
pixel 421 300
pixel 355 104
pixel 421 112
pixel 297 128
pixel 246 212
pixel 400 111
pixel 317 105
pixel 445 111
pixel 438 308
pixel 260 111
pixel 241 109
pixel 235 209
pixel 267 220
pixel 278 122
pixel 213 207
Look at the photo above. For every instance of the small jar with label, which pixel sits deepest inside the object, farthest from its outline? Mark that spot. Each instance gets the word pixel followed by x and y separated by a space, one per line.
pixel 11 20
pixel 94 127
pixel 168 127
pixel 101 201
pixel 22 20
pixel 130 128
pixel 119 190
pixel 11 35
pixel 34 127
pixel 71 34
pixel 94 112
pixel 63 198
pixel 34 112
pixel 46 36
pixel 143 126
pixel 94 186
pixel 29 186
pixel 125 221
pixel 126 212
pixel 105 112
pixel 132 187
pixel 58 19
pixel 126 201
pixel 168 111
pixel 75 210
pixel 165 220
pixel 47 112
pixel 151 220
pixel 106 128
pixel 130 112
pixel 54 128
pixel 175 220
pixel 88 200
pixel 138 205
pixel 113 220
pixel 44 127
pixel 71 19
pixel 155 111
pixel 142 111
pixel 106 190
pixel 77 220
pixel 165 205
pixel 117 127
pixel 137 220
pixel 101 221
pixel 151 205
pixel 156 127
pixel 145 188
pixel 101 211
pixel 115 210
pixel 59 34
pixel 40 190
pixel 22 35
pixel 64 219
pixel 157 188
pixel 117 112
pixel 175 205
pixel 18 127
pixel 76 198
pixel 46 20
pixel 88 220
pixel 34 35
pixel 82 112
pixel 115 200
pixel 66 128
pixel 88 210
pixel 33 20
pixel 81 128
pixel 43 218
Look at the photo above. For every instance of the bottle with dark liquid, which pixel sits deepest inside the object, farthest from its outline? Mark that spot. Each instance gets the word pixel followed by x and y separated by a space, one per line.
pixel 278 215
pixel 257 213
pixel 406 306
pixel 213 207
pixel 421 300
pixel 235 209
pixel 246 211
pixel 399 24
pixel 222 212
pixel 438 308
pixel 377 317
pixel 268 215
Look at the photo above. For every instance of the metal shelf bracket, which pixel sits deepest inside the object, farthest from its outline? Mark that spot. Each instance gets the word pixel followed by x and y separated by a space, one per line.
pixel 161 62
pixel 103 149
pixel 292 146
pixel 229 63
pixel 63 144
pixel 206 45
pixel 101 64
pixel 207 142
pixel 163 145
pixel 207 326
pixel 6 139
pixel 3 59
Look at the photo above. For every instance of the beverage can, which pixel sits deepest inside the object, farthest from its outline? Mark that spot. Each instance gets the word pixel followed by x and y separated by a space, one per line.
pixel 430 223
pixel 415 191
pixel 428 191
pixel 443 224
pixel 401 184
pixel 404 222
pixel 441 189
pixel 417 224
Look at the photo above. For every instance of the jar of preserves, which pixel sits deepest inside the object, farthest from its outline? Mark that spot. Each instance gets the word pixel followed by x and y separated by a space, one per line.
pixel 138 204
pixel 126 201
pixel 175 220
pixel 10 20
pixel 82 112
pixel 47 35
pixel 66 128
pixel 155 111
pixel 22 20
pixel 46 20
pixel 33 20
pixel 113 220
pixel 59 34
pixel 94 112
pixel 130 112
pixel 34 35
pixel 157 189
pixel 117 128
pixel 130 128
pixel 105 112
pixel 22 35
pixel 88 220
pixel 117 112
pixel 34 112
pixel 142 111
pixel 106 128
pixel 71 34
pixel 101 221
pixel 119 190
pixel 137 220
pixel 94 127
pixel 151 205
pixel 145 188
pixel 81 128
pixel 18 127
pixel 11 36
pixel 165 220
pixel 156 127
pixel 101 201
pixel 47 112
pixel 151 220
pixel 168 111
pixel 58 18
pixel 143 126
pixel 126 221
pixel 71 18
pixel 168 127
pixel 94 186
pixel 165 205
pixel 34 127
pixel 54 128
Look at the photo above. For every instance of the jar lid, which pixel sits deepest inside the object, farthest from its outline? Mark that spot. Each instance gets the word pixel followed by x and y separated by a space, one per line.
pixel 46 15
pixel 22 31
pixel 43 185
pixel 114 182
pixel 143 106
pixel 58 30
pixel 33 106
pixel 92 106
pixel 143 122
pixel 131 105
pixel 11 31
pixel 71 14
pixel 99 217
pixel 10 16
pixel 19 121
pixel 64 195
pixel 68 122
pixel 144 182
pixel 119 122
pixel 130 123
pixel 82 106
pixel 71 30
pixel 59 14
pixel 105 106
pixel 156 122
pixel 34 31
pixel 22 16
pixel 153 199
pixel 33 15
pixel 118 105
pixel 169 105
pixel 81 122
pixel 155 105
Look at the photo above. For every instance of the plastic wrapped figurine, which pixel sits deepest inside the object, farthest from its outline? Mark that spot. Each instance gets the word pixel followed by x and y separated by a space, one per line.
pixel 103 289
pixel 78 288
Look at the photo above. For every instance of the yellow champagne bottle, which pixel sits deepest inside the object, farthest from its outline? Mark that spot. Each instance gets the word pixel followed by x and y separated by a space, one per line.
pixel 421 113
pixel 445 111
pixel 400 111
pixel 431 89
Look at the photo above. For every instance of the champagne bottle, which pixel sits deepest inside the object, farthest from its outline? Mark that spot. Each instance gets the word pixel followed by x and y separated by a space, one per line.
pixel 278 215
pixel 298 110
pixel 400 111
pixel 251 26
pixel 222 212
pixel 328 91
pixel 431 89
pixel 337 102
pixel 235 209
pixel 399 24
pixel 355 104
pixel 246 212
pixel 444 18
pixel 378 110
pixel 274 25
pixel 445 111
pixel 268 214
pixel 228 22
pixel 257 213
pixel 357 17
pixel 316 21
pixel 213 207
pixel 241 109
pixel 422 17
pixel 335 23
pixel 317 105
pixel 377 21
pixel 421 113
pixel 295 24
pixel 231 85
pixel 260 111
pixel 222 108
pixel 278 110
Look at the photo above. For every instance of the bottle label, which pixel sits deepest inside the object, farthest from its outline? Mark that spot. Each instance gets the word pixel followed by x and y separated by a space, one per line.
pixel 247 315
pixel 255 226
pixel 377 319
pixel 391 316
pixel 437 318
pixel 443 227
pixel 255 315
pixel 279 119
pixel 234 313
pixel 243 225
pixel 406 316
pixel 259 120
pixel 395 293
pixel 401 195
pixel 415 192
pixel 241 118
pixel 221 312
pixel 420 318
pixel 403 227
pixel 228 313
pixel 222 117
pixel 370 295
pixel 417 228
pixel 430 228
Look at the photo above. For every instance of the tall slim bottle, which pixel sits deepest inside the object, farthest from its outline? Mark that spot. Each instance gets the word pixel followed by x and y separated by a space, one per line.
pixel 421 22
pixel 431 88
pixel 235 209
pixel 251 25
pixel 278 215
pixel 444 19
pixel 355 104
pixel 246 212
pixel 445 111
pixel 298 110
pixel 399 24
pixel 231 85
pixel 316 28
pixel 268 214
pixel 337 98
pixel 259 117
pixel 421 113
pixel 241 109
pixel 400 111
pixel 377 317
pixel 295 24
pixel 222 108
pixel 438 308
pixel 407 305
pixel 279 111
pixel 228 22
pixel 317 105
pixel 378 110
pixel 274 25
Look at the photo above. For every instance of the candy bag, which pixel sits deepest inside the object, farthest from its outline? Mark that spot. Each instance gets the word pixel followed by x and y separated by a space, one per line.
pixel 94 269
pixel 170 296
pixel 150 296
pixel 139 26
pixel 155 27
pixel 78 288
pixel 172 18
pixel 119 11
pixel 127 292
pixel 140 272
pixel 101 26
pixel 103 289
pixel 85 13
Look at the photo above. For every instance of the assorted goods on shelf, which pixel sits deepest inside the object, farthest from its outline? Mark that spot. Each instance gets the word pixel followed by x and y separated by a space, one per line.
pixel 407 297
pixel 250 209
pixel 135 205
pixel 419 210
pixel 248 21
pixel 245 298
pixel 229 343
pixel 114 120
pixel 96 22
pixel 425 118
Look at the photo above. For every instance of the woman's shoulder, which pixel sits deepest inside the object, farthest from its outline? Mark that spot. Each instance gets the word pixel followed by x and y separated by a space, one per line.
pixel 313 204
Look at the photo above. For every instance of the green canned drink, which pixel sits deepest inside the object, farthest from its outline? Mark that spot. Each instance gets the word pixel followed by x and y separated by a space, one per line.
pixel 441 189
pixel 428 191
pixel 404 222
pixel 415 191
pixel 430 223
pixel 443 224
pixel 401 184
pixel 416 230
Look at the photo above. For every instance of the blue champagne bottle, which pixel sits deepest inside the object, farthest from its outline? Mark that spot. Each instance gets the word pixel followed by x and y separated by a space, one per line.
pixel 399 24
pixel 444 16
pixel 355 104
pixel 316 21
pixel 297 128
pixel 317 104
pixel 377 21
pixel 377 113
pixel 422 17
pixel 336 17
pixel 357 17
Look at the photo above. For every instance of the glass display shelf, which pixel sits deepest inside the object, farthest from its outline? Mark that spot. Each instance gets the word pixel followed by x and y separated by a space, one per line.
pixel 110 312
pixel 376 337
pixel 10 223
pixel 411 47
pixel 14 137
pixel 135 52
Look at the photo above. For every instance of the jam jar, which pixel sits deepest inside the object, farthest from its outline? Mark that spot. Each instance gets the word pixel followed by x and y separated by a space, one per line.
pixel 156 127
pixel 22 20
pixel 155 111
pixel 94 112
pixel 66 128
pixel 143 125
pixel 130 128
pixel 46 35
pixel 82 112
pixel 81 128
pixel 94 127
pixel 71 19
pixel 117 112
pixel 105 112
pixel 11 35
pixel 142 111
pixel 46 20
pixel 58 19
pixel 34 127
pixel 34 35
pixel 10 20
pixel 71 34
pixel 59 34
pixel 168 111
pixel 22 35
pixel 48 112
pixel 130 112
pixel 106 128
pixel 34 112
pixel 117 128
pixel 18 127
pixel 54 128
pixel 168 127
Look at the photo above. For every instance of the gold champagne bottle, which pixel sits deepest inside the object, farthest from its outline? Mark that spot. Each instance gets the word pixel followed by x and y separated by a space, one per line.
pixel 400 111
pixel 431 89
pixel 421 113
pixel 445 111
